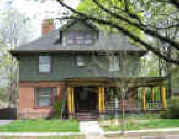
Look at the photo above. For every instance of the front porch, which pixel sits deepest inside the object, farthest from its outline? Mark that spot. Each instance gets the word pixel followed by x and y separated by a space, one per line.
pixel 99 96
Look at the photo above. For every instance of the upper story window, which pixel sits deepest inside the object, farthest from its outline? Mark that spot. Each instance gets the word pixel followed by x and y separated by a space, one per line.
pixel 79 38
pixel 114 63
pixel 44 64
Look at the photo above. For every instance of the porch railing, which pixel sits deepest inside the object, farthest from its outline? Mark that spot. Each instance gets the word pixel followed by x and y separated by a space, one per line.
pixel 150 105
pixel 154 105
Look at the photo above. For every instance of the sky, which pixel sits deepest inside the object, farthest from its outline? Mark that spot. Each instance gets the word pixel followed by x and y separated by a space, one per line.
pixel 37 10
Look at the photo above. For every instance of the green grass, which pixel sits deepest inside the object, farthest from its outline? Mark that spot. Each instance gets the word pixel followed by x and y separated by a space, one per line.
pixel 43 137
pixel 42 126
pixel 144 124
pixel 135 116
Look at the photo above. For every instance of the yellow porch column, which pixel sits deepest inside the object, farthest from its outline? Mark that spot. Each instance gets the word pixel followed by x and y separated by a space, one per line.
pixel 70 100
pixel 152 94
pixel 164 98
pixel 143 99
pixel 102 102
pixel 99 100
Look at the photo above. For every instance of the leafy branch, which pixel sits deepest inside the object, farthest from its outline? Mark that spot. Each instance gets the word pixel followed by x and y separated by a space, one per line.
pixel 149 47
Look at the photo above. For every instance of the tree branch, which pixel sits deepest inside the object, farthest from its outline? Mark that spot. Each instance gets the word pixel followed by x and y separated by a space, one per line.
pixel 116 26
pixel 140 26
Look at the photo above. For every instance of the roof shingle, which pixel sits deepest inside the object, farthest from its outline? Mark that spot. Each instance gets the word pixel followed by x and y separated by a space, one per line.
pixel 106 42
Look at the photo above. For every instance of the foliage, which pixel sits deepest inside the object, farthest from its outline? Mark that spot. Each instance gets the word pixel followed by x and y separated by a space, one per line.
pixel 149 65
pixel 58 109
pixel 134 116
pixel 93 9
pixel 13 33
pixel 172 111
pixel 41 125
pixel 136 19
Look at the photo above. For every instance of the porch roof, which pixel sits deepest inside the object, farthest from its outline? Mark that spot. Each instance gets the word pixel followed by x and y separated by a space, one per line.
pixel 135 82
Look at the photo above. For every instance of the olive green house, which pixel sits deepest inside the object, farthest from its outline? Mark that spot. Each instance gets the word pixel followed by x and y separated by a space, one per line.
pixel 85 67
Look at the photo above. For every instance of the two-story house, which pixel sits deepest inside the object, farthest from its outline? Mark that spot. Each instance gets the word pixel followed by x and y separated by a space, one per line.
pixel 83 65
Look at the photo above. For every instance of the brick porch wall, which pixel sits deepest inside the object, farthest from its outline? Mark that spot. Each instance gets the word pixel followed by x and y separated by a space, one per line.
pixel 26 109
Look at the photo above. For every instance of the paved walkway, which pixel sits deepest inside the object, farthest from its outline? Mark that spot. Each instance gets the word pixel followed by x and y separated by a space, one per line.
pixel 90 127
pixel 5 122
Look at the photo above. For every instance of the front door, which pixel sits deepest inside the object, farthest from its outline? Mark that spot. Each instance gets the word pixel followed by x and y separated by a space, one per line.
pixel 86 99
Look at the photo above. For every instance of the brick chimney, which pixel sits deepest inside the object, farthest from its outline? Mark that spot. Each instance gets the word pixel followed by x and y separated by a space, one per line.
pixel 47 26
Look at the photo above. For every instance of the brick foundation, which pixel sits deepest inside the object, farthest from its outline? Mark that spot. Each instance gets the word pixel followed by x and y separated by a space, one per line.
pixel 26 109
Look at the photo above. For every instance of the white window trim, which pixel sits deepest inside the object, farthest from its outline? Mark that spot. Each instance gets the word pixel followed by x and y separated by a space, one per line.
pixel 41 70
pixel 114 63
pixel 80 62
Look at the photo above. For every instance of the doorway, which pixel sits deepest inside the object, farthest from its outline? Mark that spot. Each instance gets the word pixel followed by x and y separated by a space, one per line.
pixel 86 99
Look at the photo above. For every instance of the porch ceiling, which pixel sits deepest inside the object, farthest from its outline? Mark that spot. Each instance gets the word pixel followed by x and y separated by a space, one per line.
pixel 117 82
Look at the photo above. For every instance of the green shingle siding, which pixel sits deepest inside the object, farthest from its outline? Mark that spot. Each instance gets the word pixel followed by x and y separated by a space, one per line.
pixel 64 67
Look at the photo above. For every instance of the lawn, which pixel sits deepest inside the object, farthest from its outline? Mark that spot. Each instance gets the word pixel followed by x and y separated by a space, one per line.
pixel 42 126
pixel 43 137
pixel 144 124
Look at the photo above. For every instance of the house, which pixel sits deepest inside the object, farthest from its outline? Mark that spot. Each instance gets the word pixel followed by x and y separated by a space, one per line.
pixel 86 67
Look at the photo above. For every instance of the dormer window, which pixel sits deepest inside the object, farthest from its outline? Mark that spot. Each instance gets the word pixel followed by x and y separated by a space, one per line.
pixel 79 38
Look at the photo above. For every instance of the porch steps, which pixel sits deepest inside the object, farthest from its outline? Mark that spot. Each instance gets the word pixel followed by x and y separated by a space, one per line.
pixel 86 116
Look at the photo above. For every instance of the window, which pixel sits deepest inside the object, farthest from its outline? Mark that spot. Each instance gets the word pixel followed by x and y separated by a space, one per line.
pixel 80 62
pixel 113 63
pixel 79 38
pixel 44 64
pixel 44 97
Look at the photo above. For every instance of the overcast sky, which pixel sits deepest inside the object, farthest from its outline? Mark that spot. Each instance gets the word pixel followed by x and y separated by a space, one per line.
pixel 36 10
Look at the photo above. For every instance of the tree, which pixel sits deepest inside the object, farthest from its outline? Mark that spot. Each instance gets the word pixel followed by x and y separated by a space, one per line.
pixel 111 13
pixel 13 33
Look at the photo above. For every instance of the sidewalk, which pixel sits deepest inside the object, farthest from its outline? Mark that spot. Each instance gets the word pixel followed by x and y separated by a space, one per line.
pixel 143 131
pixel 93 130
pixel 5 122
pixel 91 127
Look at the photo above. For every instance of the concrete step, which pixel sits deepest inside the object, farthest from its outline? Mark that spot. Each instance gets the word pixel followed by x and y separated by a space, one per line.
pixel 85 116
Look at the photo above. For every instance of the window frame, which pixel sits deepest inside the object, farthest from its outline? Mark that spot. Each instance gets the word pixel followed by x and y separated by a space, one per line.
pixel 77 57
pixel 50 64
pixel 112 61
pixel 73 37
pixel 53 97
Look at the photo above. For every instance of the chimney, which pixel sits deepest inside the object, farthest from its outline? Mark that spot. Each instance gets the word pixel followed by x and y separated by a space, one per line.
pixel 47 26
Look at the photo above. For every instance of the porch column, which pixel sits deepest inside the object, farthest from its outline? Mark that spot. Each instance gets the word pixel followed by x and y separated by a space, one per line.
pixel 73 100
pixel 101 100
pixel 152 94
pixel 70 100
pixel 143 99
pixel 164 98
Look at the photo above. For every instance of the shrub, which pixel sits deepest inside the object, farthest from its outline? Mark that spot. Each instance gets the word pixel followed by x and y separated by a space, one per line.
pixel 172 111
pixel 58 109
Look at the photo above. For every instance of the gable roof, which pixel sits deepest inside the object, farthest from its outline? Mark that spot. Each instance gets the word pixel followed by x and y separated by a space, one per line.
pixel 73 21
pixel 105 42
